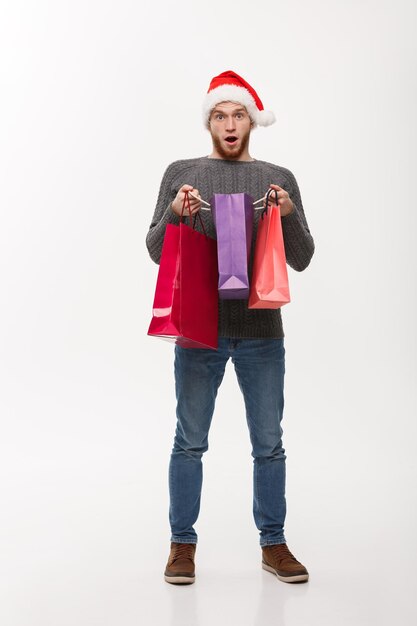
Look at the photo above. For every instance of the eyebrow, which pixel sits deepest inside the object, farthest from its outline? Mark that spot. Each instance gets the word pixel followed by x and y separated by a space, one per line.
pixel 233 110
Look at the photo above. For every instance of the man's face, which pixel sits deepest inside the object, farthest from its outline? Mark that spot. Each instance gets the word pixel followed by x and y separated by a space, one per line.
pixel 230 127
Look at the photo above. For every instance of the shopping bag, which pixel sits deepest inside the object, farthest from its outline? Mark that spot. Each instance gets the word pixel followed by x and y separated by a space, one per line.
pixel 185 307
pixel 233 219
pixel 269 281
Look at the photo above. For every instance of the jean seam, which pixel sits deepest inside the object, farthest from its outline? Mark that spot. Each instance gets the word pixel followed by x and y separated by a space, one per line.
pixel 258 497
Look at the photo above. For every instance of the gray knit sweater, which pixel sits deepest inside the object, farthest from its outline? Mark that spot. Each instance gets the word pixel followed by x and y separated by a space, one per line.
pixel 209 176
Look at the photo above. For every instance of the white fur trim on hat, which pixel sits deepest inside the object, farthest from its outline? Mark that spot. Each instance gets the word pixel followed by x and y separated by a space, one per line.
pixel 233 93
pixel 265 118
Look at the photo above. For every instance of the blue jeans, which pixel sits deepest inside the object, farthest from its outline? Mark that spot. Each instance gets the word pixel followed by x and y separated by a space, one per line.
pixel 260 367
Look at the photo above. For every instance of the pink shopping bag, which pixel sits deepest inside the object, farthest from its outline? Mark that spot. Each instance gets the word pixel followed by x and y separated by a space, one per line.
pixel 269 282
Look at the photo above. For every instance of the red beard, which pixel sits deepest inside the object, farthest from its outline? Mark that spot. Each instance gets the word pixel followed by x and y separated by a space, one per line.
pixel 232 154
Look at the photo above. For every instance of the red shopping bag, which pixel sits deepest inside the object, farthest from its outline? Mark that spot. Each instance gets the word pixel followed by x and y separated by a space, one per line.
pixel 269 282
pixel 185 308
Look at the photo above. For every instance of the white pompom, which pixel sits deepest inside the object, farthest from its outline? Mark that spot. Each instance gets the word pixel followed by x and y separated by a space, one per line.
pixel 265 118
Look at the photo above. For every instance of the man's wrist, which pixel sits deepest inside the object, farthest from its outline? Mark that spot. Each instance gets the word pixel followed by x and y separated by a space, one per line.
pixel 291 212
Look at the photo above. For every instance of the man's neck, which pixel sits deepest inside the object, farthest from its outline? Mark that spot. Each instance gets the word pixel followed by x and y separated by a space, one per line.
pixel 242 157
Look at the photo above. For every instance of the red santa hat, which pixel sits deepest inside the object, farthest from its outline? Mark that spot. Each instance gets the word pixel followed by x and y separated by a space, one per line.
pixel 229 86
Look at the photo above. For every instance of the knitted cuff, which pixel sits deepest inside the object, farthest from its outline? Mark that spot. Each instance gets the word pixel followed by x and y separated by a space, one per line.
pixel 292 223
pixel 169 217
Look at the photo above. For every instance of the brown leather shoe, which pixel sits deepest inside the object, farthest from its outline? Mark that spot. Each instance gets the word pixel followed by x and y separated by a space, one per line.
pixel 180 568
pixel 279 560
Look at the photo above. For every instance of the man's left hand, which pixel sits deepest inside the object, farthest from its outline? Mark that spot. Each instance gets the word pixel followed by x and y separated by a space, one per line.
pixel 286 205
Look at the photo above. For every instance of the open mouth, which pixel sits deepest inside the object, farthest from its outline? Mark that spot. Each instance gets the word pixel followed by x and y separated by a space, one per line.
pixel 231 139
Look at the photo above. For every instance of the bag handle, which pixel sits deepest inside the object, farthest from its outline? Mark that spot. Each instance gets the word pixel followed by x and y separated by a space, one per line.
pixel 268 193
pixel 192 220
pixel 186 199
pixel 208 207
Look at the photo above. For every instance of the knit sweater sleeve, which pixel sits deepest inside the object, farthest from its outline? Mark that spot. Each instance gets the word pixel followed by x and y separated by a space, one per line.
pixel 298 242
pixel 163 214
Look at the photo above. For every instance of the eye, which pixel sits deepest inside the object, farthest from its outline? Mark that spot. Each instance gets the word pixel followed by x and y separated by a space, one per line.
pixel 218 116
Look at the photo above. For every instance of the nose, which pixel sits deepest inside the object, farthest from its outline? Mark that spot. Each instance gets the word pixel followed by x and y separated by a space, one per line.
pixel 230 123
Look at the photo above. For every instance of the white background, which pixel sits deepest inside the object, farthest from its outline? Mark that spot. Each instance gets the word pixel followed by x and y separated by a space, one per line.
pixel 97 99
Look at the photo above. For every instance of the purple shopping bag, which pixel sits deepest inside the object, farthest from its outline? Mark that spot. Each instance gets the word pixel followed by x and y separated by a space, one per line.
pixel 233 219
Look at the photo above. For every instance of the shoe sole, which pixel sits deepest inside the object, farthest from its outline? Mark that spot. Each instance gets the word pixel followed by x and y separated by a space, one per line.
pixel 298 578
pixel 180 580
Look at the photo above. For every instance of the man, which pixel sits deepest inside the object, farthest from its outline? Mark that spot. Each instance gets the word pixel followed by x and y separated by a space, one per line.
pixel 252 338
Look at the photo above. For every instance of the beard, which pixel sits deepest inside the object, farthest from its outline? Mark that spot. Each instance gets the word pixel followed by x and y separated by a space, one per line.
pixel 231 154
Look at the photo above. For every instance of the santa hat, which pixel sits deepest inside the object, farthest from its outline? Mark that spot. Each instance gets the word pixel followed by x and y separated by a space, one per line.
pixel 229 86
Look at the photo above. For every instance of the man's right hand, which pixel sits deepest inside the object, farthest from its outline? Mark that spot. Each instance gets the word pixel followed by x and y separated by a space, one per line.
pixel 177 203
